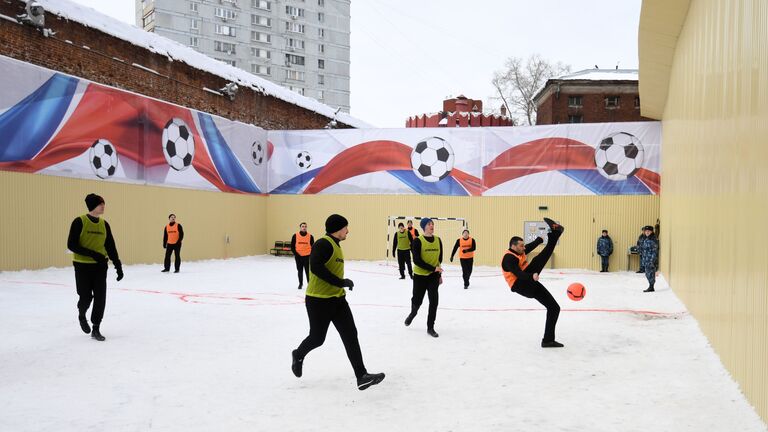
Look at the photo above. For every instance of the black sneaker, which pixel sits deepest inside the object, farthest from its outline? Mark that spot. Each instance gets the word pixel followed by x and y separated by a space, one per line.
pixel 96 334
pixel 640 271
pixel 296 364
pixel 175 271
pixel 649 289
pixel 432 333
pixel 554 226
pixel 368 380
pixel 551 344
pixel 409 319
pixel 300 285
pixel 84 325
pixel 402 277
pixel 164 271
pixel 466 286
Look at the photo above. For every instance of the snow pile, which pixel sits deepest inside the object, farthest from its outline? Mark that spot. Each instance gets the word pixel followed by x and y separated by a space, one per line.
pixel 178 52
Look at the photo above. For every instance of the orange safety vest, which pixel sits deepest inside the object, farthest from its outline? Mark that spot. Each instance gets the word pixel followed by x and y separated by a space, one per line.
pixel 465 244
pixel 173 233
pixel 413 232
pixel 509 276
pixel 303 248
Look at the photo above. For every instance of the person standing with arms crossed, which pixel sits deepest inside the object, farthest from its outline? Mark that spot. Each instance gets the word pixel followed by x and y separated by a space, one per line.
pixel 427 274
pixel 172 237
pixel 90 239
pixel 466 246
pixel 326 303
pixel 301 246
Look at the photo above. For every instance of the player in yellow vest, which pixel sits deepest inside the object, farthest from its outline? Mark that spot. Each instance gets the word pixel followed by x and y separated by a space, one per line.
pixel 466 246
pixel 401 243
pixel 301 246
pixel 326 303
pixel 427 273
pixel 90 239
pixel 173 234
pixel 523 277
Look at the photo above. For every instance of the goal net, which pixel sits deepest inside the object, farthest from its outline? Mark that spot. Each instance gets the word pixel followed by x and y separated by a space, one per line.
pixel 447 228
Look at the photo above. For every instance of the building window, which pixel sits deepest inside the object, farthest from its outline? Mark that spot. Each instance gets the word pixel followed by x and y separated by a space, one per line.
pixel 225 47
pixel 294 12
pixel 320 17
pixel 321 64
pixel 234 2
pixel 294 75
pixel 260 53
pixel 193 7
pixel 320 94
pixel 321 48
pixel 574 101
pixel 321 2
pixel 298 90
pixel 612 102
pixel 321 79
pixel 193 42
pixel 294 27
pixel 261 21
pixel 575 119
pixel 637 102
pixel 260 69
pixel 224 30
pixel 225 14
pixel 294 44
pixel 194 24
pixel 321 33
pixel 294 59
pixel 148 19
pixel 262 4
pixel 261 37
pixel 227 61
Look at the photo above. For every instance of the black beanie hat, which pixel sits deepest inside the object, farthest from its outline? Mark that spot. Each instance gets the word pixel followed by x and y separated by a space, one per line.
pixel 92 201
pixel 335 223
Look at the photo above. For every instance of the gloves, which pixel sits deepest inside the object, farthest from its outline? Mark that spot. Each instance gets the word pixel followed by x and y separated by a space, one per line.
pixel 451 259
pixel 165 246
pixel 348 283
pixel 100 259
pixel 119 270
pixel 465 250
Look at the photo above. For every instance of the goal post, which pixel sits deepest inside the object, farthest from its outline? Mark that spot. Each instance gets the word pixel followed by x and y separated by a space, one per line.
pixel 447 228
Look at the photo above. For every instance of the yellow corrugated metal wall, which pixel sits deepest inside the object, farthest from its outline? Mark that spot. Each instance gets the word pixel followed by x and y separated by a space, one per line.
pixel 715 179
pixel 37 211
pixel 492 221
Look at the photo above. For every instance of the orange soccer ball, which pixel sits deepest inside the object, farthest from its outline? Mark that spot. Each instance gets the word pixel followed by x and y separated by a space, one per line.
pixel 576 291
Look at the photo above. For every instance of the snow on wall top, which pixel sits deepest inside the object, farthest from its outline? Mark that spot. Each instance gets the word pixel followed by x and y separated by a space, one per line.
pixel 178 52
pixel 603 75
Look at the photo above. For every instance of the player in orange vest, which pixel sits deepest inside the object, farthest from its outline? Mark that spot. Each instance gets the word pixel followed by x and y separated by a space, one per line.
pixel 523 277
pixel 466 246
pixel 173 234
pixel 301 246
pixel 414 232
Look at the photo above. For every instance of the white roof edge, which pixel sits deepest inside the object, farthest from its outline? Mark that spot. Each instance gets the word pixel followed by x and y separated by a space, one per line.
pixel 602 75
pixel 176 51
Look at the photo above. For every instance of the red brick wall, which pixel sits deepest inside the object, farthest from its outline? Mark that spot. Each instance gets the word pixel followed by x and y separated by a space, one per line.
pixel 554 110
pixel 182 84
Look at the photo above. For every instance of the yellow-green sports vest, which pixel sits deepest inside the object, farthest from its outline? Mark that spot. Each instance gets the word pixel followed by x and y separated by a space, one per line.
pixel 403 243
pixel 92 236
pixel 335 264
pixel 430 254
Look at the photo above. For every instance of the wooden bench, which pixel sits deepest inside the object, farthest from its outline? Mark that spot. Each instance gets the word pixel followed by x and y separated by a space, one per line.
pixel 282 248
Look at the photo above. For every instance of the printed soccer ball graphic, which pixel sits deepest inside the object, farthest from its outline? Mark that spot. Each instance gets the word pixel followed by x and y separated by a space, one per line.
pixel 619 156
pixel 432 159
pixel 178 144
pixel 304 160
pixel 103 158
pixel 257 152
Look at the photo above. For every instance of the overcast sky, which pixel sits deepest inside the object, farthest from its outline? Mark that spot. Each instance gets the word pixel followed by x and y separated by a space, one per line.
pixel 408 55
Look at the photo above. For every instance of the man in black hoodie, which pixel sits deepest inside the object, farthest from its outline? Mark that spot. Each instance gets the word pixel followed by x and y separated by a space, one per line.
pixel 90 239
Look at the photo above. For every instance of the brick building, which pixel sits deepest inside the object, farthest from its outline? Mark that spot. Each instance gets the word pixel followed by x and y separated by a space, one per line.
pixel 590 96
pixel 459 112
pixel 90 45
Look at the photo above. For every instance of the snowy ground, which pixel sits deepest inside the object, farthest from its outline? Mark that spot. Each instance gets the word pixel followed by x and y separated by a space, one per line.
pixel 209 350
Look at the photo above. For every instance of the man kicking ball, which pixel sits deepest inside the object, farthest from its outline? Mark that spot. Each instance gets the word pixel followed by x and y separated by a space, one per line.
pixel 523 277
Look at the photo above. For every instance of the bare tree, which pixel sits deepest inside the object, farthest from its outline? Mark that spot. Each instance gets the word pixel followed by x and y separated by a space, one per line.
pixel 520 80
